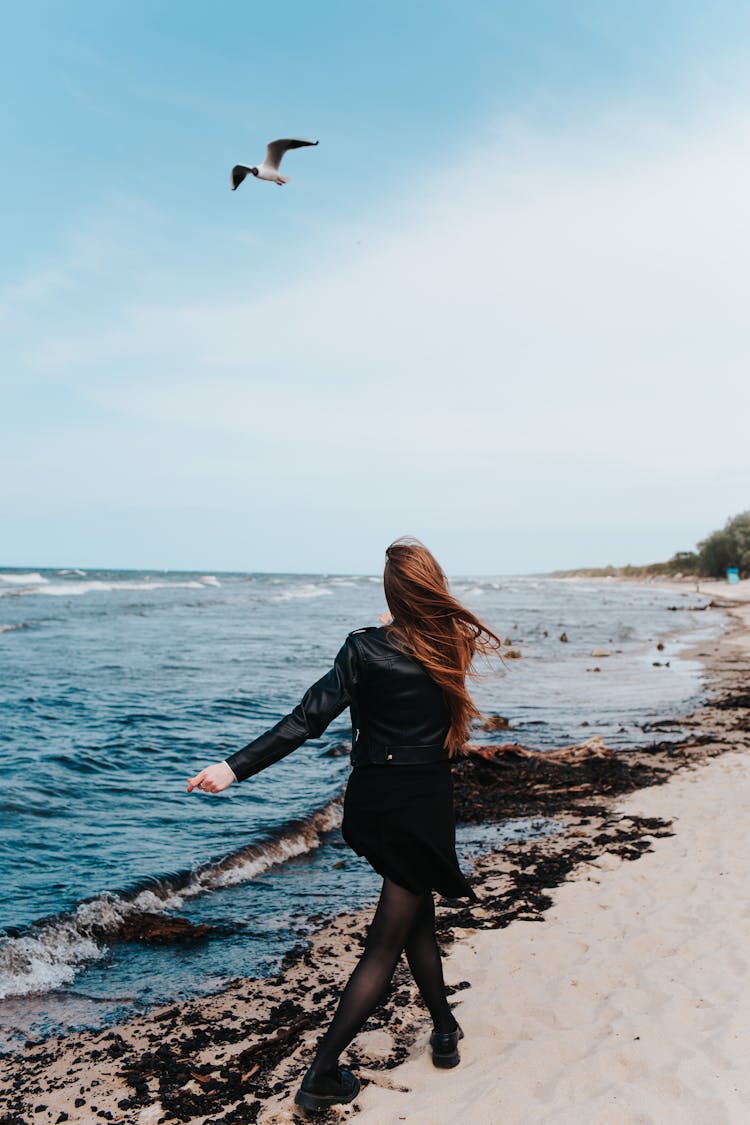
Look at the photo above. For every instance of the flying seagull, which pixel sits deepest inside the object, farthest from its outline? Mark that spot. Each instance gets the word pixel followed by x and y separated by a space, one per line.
pixel 269 169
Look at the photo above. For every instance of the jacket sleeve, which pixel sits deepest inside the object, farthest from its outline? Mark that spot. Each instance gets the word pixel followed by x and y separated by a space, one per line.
pixel 319 706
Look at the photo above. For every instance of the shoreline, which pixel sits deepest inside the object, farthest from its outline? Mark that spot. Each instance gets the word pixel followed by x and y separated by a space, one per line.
pixel 237 1055
pixel 684 584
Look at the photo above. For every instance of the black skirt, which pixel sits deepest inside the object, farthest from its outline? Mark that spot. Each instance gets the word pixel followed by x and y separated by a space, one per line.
pixel 401 819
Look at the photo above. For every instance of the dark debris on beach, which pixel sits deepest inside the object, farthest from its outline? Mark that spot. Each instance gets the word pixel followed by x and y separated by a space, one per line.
pixel 534 787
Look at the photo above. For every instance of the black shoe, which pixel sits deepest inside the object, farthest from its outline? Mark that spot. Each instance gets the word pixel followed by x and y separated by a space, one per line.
pixel 445 1047
pixel 322 1090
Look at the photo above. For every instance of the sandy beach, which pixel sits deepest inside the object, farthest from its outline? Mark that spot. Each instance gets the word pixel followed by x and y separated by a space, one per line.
pixel 630 1004
pixel 603 978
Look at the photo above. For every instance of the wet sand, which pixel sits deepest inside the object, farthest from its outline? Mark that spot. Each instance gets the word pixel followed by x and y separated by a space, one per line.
pixel 603 977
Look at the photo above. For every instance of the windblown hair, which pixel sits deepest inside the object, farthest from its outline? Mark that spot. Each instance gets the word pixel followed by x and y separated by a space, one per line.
pixel 436 629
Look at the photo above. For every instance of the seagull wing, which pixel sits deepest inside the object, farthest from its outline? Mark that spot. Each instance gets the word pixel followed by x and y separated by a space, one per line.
pixel 238 174
pixel 276 150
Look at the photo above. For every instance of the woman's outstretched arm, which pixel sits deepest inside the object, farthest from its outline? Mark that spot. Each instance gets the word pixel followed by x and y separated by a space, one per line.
pixel 319 706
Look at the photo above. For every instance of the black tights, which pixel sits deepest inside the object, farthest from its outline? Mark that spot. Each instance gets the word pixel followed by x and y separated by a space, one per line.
pixel 403 922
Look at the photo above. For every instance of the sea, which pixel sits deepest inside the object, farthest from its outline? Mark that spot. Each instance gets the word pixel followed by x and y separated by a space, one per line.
pixel 115 686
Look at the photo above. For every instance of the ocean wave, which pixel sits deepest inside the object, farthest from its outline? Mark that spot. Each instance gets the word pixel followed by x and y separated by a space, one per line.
pixel 50 954
pixel 40 964
pixel 73 589
pixel 468 590
pixel 28 579
pixel 11 628
pixel 308 590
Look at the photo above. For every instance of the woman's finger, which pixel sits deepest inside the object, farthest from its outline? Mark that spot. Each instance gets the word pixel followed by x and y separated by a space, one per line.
pixel 194 782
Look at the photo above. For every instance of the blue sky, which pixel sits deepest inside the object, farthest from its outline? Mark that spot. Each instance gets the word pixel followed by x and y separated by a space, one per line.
pixel 502 306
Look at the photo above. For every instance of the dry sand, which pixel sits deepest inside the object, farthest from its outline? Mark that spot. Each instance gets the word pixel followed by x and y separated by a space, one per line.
pixel 631 1003
pixel 608 972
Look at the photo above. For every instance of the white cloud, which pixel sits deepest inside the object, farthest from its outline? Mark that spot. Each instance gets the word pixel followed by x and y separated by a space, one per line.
pixel 554 326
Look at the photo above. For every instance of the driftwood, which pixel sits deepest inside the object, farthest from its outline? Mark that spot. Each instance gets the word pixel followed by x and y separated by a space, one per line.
pixel 591 748
pixel 281 1035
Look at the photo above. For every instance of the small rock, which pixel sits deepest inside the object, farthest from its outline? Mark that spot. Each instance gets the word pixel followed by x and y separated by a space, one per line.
pixel 496 722
pixel 564 638
pixel 600 652
pixel 162 930
pixel 340 750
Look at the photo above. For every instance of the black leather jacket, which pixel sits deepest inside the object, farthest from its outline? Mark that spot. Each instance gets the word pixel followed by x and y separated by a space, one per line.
pixel 399 714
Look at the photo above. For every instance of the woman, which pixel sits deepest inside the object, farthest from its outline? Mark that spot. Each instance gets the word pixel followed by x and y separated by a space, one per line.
pixel 405 684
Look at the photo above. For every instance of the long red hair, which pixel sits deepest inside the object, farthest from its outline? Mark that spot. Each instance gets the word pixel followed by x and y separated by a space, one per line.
pixel 439 632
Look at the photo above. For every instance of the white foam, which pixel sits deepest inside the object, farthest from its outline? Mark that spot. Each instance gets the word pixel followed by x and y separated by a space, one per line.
pixel 10 628
pixel 307 590
pixel 50 955
pixel 45 961
pixel 158 901
pixel 95 585
pixel 468 590
pixel 34 583
pixel 29 579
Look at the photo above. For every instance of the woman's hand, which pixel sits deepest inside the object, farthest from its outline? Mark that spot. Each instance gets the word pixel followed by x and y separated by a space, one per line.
pixel 213 779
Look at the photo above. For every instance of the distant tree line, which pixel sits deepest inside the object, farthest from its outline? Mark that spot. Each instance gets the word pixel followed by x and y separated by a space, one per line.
pixel 713 556
pixel 729 547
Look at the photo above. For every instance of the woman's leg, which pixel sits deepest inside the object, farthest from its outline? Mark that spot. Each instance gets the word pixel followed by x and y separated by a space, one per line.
pixel 394 919
pixel 426 966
